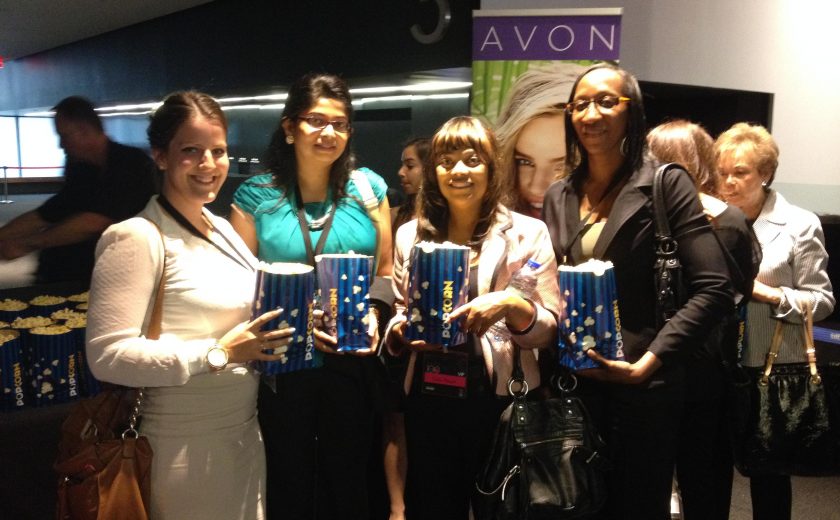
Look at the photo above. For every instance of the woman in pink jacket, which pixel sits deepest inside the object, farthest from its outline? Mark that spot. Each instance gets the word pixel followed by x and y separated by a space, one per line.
pixel 460 202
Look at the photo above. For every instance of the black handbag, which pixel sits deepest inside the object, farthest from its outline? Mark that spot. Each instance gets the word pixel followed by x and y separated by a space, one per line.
pixel 546 459
pixel 785 418
pixel 670 291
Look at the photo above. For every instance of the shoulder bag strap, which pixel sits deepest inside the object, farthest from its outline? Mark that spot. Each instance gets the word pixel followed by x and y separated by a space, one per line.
pixel 152 332
pixel 371 204
pixel 808 337
pixel 154 328
pixel 660 214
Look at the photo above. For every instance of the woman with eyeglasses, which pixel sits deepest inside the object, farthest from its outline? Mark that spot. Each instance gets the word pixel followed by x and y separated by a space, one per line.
pixel 603 210
pixel 449 433
pixel 319 423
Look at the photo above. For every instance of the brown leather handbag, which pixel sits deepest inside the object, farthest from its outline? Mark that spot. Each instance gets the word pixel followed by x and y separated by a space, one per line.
pixel 104 472
pixel 104 464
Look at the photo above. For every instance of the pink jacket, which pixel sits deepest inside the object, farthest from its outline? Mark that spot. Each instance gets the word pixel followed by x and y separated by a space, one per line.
pixel 519 239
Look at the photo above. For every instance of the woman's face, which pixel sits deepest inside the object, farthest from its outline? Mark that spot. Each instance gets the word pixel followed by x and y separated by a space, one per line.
pixel 195 164
pixel 539 156
pixel 315 145
pixel 600 130
pixel 740 180
pixel 411 171
pixel 462 178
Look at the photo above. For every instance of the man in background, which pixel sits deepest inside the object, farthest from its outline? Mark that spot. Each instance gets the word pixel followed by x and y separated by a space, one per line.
pixel 105 182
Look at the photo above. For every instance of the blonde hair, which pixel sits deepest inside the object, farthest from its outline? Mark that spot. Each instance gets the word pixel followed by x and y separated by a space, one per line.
pixel 755 138
pixel 535 94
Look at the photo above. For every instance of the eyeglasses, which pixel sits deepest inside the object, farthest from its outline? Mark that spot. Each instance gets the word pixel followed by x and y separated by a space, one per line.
pixel 320 122
pixel 601 103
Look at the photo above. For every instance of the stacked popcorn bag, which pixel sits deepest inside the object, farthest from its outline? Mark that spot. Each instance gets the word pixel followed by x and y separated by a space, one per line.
pixel 438 284
pixel 592 319
pixel 42 358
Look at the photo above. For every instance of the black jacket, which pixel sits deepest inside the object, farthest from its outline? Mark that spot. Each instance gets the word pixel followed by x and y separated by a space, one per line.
pixel 628 241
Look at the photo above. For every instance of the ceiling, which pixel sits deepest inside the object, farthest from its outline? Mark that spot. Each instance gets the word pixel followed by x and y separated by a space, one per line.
pixel 31 26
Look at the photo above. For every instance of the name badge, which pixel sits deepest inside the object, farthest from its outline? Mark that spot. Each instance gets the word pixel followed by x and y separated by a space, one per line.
pixel 445 374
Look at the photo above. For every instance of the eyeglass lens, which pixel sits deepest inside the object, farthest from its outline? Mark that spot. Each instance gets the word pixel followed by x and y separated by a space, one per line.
pixel 321 122
pixel 605 102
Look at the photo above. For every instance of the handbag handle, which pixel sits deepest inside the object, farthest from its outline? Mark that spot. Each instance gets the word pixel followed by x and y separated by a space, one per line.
pixel 152 332
pixel 808 345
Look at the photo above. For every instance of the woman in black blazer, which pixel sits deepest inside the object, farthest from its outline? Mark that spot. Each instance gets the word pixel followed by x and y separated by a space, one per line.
pixel 603 210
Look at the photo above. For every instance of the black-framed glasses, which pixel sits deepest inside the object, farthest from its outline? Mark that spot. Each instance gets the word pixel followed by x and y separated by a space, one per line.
pixel 606 102
pixel 319 122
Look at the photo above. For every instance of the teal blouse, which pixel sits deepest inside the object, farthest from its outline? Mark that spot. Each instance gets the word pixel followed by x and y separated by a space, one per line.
pixel 278 230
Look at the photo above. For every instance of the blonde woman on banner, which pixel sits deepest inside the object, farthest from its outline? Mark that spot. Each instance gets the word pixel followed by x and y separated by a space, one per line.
pixel 532 135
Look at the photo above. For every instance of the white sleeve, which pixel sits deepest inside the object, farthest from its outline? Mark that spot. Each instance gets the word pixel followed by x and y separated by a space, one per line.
pixel 129 260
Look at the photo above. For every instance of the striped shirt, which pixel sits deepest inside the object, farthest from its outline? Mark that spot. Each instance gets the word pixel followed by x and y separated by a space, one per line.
pixel 795 260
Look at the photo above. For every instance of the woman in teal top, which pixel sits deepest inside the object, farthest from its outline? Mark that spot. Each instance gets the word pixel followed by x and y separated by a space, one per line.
pixel 278 233
pixel 318 424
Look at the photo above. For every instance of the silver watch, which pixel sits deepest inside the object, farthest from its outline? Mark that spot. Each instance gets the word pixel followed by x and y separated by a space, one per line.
pixel 217 357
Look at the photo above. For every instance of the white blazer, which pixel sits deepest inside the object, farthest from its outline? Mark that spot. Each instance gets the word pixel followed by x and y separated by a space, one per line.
pixel 795 260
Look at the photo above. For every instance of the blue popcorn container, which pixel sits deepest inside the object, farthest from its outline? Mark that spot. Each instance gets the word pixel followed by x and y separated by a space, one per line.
pixel 592 319
pixel 11 309
pixel 438 284
pixel 290 287
pixel 56 375
pixel 344 291
pixel 13 372
pixel 78 326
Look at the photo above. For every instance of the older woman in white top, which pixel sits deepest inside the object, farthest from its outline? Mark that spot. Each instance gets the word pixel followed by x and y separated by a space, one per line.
pixel 793 270
pixel 199 409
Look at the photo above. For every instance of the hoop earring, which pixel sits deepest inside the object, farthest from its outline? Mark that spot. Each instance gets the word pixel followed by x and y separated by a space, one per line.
pixel 624 146
pixel 290 139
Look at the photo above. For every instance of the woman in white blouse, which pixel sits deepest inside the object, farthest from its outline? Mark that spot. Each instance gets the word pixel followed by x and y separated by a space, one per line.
pixel 793 270
pixel 199 407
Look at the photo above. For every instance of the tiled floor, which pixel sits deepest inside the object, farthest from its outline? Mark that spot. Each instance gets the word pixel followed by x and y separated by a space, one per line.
pixel 813 498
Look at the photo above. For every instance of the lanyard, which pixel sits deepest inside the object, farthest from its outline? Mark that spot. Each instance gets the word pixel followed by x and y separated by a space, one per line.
pixel 304 229
pixel 186 224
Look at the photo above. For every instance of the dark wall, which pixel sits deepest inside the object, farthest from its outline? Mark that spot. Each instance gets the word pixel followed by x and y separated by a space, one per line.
pixel 227 47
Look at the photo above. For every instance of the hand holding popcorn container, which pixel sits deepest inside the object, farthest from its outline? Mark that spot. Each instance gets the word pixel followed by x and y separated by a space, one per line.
pixel 438 284
pixel 592 319
pixel 344 288
pixel 290 287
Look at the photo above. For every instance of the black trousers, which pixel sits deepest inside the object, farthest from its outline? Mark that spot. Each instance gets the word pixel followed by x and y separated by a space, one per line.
pixel 771 497
pixel 318 430
pixel 640 426
pixel 704 461
pixel 448 440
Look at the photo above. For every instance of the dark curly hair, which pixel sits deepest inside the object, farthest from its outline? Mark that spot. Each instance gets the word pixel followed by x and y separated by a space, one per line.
pixel 432 208
pixel 576 155
pixel 280 157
